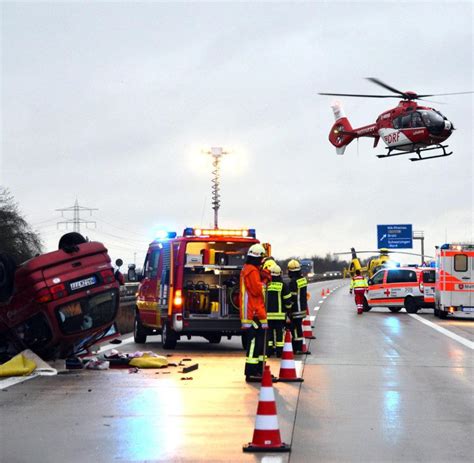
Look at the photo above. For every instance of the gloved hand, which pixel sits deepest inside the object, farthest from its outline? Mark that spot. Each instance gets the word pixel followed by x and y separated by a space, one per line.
pixel 265 326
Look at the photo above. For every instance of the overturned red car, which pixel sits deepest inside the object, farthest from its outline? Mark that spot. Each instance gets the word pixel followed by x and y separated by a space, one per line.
pixel 59 303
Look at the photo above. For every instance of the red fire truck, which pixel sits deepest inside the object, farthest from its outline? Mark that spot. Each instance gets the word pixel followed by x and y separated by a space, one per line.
pixel 190 285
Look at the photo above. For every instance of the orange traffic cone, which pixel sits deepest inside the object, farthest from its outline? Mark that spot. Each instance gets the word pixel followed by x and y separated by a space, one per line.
pixel 266 435
pixel 322 292
pixel 307 331
pixel 287 365
pixel 305 348
pixel 327 291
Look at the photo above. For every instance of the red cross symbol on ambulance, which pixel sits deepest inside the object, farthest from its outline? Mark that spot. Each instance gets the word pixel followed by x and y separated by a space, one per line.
pixel 387 292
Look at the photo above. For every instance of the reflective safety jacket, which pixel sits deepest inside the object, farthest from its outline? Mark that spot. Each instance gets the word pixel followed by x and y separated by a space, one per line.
pixel 299 299
pixel 252 305
pixel 359 282
pixel 277 300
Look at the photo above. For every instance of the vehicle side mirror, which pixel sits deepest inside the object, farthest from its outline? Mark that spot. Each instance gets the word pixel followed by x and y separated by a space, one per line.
pixel 119 262
pixel 132 273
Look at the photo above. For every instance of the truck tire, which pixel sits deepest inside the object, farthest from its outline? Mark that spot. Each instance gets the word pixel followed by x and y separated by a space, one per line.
pixel 139 331
pixel 214 338
pixel 168 337
pixel 443 314
pixel 410 305
pixel 436 312
pixel 395 309
pixel 366 305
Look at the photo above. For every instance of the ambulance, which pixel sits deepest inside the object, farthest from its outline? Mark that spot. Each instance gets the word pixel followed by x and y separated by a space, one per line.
pixel 454 280
pixel 395 288
pixel 190 285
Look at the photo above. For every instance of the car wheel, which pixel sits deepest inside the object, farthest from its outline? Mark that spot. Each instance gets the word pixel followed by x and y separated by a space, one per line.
pixel 395 309
pixel 214 338
pixel 410 305
pixel 366 305
pixel 168 337
pixel 139 332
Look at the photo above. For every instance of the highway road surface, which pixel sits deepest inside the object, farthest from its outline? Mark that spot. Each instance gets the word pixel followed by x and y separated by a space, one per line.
pixel 378 387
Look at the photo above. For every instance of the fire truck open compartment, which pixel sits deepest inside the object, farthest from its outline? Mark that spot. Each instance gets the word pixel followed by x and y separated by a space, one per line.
pixel 211 279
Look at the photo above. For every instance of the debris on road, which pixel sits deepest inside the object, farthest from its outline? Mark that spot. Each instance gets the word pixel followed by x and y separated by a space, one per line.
pixel 190 368
pixel 186 378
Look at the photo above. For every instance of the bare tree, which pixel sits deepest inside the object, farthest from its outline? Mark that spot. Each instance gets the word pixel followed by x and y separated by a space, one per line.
pixel 16 235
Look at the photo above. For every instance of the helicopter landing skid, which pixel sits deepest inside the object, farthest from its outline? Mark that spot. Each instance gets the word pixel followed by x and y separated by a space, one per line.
pixel 418 151
pixel 437 147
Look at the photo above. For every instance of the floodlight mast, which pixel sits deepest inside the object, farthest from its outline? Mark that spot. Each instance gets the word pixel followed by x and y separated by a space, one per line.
pixel 216 153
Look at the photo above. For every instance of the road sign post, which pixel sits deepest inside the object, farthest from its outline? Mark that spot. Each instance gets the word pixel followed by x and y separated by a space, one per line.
pixel 395 236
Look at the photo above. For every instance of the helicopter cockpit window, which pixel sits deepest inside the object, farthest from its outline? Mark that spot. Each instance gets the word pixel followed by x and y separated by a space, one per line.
pixel 397 124
pixel 406 121
pixel 434 121
pixel 416 120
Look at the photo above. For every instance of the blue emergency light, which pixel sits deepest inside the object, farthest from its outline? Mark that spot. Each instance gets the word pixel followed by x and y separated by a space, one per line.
pixel 164 235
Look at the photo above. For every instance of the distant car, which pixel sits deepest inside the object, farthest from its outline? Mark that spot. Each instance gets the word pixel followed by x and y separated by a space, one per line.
pixel 395 288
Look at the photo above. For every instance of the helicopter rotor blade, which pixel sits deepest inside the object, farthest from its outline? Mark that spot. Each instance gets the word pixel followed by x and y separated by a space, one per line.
pixel 357 95
pixel 444 94
pixel 387 87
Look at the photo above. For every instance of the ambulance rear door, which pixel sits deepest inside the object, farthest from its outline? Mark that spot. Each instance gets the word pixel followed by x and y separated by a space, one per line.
pixel 462 292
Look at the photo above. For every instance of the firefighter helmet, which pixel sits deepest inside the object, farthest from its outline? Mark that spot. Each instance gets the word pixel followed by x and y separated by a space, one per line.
pixel 275 270
pixel 294 266
pixel 268 262
pixel 256 250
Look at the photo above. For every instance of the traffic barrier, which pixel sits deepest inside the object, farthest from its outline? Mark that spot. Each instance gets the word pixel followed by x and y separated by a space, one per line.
pixel 266 434
pixel 287 365
pixel 307 331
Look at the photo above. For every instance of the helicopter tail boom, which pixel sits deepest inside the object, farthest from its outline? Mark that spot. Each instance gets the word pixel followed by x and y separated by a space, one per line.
pixel 341 133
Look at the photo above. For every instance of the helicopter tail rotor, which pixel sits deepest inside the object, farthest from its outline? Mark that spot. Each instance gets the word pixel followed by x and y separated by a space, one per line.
pixel 341 133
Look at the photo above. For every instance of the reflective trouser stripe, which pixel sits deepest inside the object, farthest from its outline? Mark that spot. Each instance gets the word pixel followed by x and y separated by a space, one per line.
pixel 251 359
pixel 280 344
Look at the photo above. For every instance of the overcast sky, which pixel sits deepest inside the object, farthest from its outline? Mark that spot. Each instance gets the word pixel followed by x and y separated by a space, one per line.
pixel 113 103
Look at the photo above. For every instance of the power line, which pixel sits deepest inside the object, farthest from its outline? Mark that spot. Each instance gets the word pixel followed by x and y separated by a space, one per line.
pixel 76 220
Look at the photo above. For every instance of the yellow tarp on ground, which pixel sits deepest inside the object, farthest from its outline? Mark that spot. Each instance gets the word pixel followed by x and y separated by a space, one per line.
pixel 17 366
pixel 148 361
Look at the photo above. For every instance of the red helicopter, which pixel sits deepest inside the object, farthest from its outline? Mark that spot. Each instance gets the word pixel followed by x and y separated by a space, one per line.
pixel 408 128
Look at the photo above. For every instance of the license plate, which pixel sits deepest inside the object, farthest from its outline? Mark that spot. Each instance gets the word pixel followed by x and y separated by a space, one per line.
pixel 76 285
pixel 468 309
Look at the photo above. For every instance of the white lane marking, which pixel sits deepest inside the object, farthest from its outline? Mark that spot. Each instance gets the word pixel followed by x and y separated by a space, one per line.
pixel 450 334
pixel 316 308
pixel 320 302
pixel 106 347
pixel 7 382
pixel 312 318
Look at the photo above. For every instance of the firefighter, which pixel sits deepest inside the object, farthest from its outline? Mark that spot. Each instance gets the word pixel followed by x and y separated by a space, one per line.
pixel 351 286
pixel 278 301
pixel 299 304
pixel 252 312
pixel 267 262
pixel 360 285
